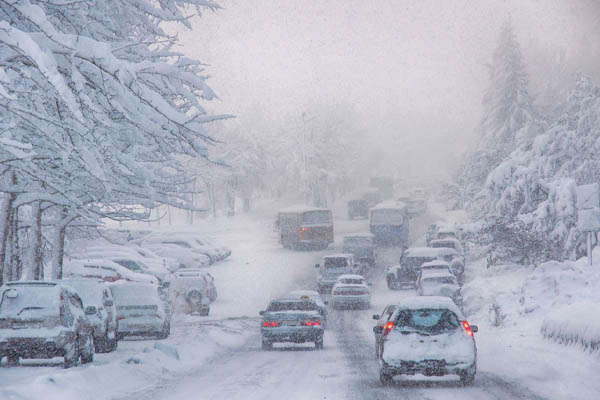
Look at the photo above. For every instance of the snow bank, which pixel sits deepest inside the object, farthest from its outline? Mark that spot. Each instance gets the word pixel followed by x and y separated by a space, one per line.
pixel 574 324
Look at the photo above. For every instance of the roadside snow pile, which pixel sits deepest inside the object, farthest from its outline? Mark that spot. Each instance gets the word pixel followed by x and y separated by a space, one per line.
pixel 576 324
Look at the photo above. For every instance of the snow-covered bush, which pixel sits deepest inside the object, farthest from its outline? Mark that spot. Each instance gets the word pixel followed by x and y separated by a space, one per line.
pixel 576 324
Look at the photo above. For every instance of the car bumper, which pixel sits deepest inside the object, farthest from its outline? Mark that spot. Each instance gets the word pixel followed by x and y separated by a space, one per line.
pixel 37 347
pixel 350 301
pixel 295 334
pixel 425 367
pixel 135 327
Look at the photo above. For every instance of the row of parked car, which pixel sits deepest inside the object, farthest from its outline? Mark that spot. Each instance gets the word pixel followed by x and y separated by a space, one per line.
pixel 110 292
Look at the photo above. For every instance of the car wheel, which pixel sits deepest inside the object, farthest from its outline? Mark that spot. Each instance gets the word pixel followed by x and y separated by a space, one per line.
pixel 467 376
pixel 166 331
pixel 13 359
pixel 390 284
pixel 87 353
pixel 72 354
pixel 385 378
pixel 377 350
pixel 101 344
pixel 267 345
pixel 319 344
pixel 204 311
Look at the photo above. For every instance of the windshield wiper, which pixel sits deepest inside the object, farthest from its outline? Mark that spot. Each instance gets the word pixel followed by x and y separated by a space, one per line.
pixel 30 308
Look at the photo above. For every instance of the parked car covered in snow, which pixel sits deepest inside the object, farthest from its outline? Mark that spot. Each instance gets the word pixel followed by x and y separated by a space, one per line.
pixel 291 320
pixel 106 270
pixel 362 245
pixel 429 336
pixel 99 306
pixel 192 290
pixel 40 319
pixel 434 266
pixel 440 284
pixel 382 326
pixel 140 310
pixel 351 291
pixel 331 268
pixel 184 241
pixel 314 296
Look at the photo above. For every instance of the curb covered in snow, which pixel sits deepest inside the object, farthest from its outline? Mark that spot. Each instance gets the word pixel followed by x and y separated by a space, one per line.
pixel 574 324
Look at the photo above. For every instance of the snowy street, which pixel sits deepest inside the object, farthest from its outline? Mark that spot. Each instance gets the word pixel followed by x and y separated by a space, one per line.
pixel 221 355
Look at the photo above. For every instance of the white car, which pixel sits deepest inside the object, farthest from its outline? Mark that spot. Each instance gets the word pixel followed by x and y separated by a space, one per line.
pixel 440 284
pixel 185 241
pixel 429 336
pixel 185 257
pixel 331 268
pixel 106 270
pixel 434 266
pixel 351 291
pixel 140 310
pixel 191 290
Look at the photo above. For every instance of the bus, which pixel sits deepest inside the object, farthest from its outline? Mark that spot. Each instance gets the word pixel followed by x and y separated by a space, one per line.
pixel 389 224
pixel 302 227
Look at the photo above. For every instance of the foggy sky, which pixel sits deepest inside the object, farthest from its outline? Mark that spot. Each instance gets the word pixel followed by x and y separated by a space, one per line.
pixel 410 69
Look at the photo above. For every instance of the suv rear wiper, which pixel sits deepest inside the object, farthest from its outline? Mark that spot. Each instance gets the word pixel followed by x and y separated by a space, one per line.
pixel 30 308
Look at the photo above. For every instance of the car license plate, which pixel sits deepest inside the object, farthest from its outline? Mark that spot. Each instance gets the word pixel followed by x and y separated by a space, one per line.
pixel 290 323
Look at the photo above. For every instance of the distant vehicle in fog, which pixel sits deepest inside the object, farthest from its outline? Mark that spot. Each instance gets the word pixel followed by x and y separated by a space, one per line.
pixel 358 208
pixel 362 245
pixel 331 268
pixel 384 184
pixel 305 227
pixel 191 290
pixel 434 283
pixel 41 319
pixel 389 223
pixel 351 291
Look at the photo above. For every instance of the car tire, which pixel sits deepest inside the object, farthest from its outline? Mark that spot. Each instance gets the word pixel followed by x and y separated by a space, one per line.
pixel 205 311
pixel 166 331
pixel 12 359
pixel 87 353
pixel 267 346
pixel 390 284
pixel 319 344
pixel 111 345
pixel 72 354
pixel 467 376
pixel 385 379
pixel 377 350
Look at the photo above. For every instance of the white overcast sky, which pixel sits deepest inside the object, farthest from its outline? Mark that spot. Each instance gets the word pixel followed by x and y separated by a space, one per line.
pixel 415 67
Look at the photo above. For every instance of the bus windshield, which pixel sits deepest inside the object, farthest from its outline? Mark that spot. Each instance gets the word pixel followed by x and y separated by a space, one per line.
pixel 316 218
pixel 387 216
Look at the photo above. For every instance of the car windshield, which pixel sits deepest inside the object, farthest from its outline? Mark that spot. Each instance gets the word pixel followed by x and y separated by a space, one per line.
pixel 130 265
pixel 335 262
pixel 442 280
pixel 316 217
pixel 292 306
pixel 430 321
pixel 387 216
pixel 90 292
pixel 415 262
pixel 448 244
pixel 29 302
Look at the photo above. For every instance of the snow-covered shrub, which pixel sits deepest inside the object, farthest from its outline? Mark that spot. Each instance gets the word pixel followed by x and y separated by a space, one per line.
pixel 576 324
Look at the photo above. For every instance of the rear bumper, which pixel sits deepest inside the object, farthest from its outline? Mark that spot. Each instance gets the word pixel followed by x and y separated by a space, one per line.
pixel 292 334
pixel 427 367
pixel 37 347
pixel 350 301
pixel 138 327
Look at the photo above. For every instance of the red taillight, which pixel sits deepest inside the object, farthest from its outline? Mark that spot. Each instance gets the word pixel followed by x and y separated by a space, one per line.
pixel 316 323
pixel 337 292
pixel 467 328
pixel 304 229
pixel 311 323
pixel 270 324
pixel 308 323
pixel 120 317
pixel 389 326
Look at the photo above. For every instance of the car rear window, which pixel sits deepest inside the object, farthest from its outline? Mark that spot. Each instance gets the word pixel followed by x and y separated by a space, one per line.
pixel 335 262
pixel 292 306
pixel 316 217
pixel 430 321
pixel 30 302
pixel 352 281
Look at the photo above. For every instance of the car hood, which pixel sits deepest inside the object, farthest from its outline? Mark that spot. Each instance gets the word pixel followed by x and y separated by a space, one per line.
pixel 441 290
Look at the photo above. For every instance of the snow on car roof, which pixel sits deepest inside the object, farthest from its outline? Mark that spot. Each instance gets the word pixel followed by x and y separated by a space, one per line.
pixel 445 240
pixel 433 302
pixel 437 275
pixel 300 293
pixel 360 235
pixel 350 276
pixel 300 209
pixel 388 205
pixel 436 263
pixel 446 228
pixel 446 251
pixel 339 255
pixel 422 252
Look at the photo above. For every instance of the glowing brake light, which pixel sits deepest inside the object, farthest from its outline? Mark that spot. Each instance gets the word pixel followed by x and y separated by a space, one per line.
pixel 304 229
pixel 389 326
pixel 270 324
pixel 467 328
pixel 311 323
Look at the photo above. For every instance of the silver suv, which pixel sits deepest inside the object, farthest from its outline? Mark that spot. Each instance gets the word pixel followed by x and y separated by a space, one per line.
pixel 44 320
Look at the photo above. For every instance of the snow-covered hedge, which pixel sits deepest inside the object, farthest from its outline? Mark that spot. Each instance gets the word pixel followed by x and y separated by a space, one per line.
pixel 576 324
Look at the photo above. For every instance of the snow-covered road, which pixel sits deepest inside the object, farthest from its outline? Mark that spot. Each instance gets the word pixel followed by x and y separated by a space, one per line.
pixel 220 357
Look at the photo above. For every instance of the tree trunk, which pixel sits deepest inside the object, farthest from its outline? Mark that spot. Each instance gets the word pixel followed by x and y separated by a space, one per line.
pixel 16 261
pixel 58 250
pixel 5 217
pixel 35 264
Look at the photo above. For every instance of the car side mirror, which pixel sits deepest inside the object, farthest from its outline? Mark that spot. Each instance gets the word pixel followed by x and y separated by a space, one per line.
pixel 377 329
pixel 109 303
pixel 90 310
pixel 474 328
pixel 261 313
pixel 317 266
pixel 376 316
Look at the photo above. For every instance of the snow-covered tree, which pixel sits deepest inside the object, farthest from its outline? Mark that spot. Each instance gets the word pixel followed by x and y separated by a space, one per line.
pixel 509 117
pixel 534 188
pixel 95 107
